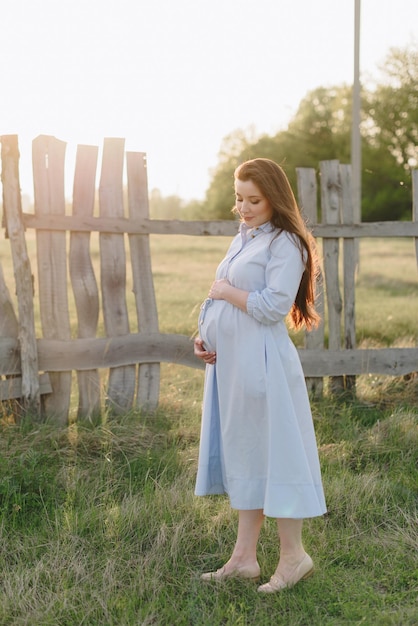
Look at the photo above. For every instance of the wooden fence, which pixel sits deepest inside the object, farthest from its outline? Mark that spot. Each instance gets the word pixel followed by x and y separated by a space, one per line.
pixel 37 371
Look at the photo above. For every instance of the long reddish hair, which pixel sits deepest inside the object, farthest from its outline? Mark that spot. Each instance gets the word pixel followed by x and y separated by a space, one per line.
pixel 273 183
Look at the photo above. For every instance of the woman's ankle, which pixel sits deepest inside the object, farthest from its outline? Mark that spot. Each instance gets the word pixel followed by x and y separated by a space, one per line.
pixel 242 561
pixel 290 559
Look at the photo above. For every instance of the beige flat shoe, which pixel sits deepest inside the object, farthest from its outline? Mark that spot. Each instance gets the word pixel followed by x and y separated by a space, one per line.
pixel 251 573
pixel 301 572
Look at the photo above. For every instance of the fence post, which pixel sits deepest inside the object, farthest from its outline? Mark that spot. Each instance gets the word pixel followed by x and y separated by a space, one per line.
pixel 86 292
pixel 148 386
pixel 121 387
pixel 314 339
pixel 350 252
pixel 23 274
pixel 48 155
pixel 331 214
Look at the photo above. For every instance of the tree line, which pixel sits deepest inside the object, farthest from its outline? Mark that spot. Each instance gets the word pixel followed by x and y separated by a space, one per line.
pixel 321 130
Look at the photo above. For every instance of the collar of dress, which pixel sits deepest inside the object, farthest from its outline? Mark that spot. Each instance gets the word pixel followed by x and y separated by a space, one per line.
pixel 250 233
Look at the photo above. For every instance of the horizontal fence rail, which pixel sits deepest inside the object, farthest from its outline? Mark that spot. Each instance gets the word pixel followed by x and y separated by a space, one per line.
pixel 223 228
pixel 102 352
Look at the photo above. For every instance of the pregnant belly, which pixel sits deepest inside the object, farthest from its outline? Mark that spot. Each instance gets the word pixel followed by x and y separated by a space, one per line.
pixel 209 322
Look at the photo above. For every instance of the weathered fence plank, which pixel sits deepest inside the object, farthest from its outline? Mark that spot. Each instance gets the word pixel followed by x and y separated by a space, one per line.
pixel 331 214
pixel 117 351
pixel 11 389
pixel 30 397
pixel 382 361
pixel 203 228
pixel 102 352
pixel 86 292
pixel 148 386
pixel 48 155
pixel 314 340
pixel 121 386
pixel 9 356
pixel 350 263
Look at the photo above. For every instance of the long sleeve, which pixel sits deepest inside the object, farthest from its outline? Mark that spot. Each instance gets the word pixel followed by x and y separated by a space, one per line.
pixel 283 274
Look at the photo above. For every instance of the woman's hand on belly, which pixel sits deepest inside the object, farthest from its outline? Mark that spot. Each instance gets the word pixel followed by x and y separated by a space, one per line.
pixel 222 289
pixel 201 352
pixel 218 287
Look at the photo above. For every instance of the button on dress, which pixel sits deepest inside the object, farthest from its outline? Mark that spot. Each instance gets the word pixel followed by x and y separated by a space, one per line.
pixel 257 438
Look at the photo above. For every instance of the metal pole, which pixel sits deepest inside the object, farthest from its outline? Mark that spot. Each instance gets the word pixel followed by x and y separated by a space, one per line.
pixel 355 131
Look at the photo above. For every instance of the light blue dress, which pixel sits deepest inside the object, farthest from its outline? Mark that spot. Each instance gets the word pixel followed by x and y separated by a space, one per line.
pixel 257 438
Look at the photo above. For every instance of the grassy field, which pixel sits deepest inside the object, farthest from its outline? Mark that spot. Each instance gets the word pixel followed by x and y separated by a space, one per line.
pixel 99 526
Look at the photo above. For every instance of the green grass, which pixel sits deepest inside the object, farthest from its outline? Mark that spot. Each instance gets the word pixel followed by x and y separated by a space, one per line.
pixel 99 525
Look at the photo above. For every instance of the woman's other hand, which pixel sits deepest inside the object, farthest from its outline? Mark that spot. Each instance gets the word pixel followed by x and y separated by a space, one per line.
pixel 202 353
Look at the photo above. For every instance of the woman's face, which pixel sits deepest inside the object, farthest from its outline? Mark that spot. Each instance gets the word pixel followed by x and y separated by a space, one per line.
pixel 253 207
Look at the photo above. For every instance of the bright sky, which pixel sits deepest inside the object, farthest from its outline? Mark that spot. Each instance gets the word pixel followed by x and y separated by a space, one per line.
pixel 174 77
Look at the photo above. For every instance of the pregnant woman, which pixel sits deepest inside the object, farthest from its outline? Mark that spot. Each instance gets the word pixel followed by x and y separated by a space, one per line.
pixel 257 438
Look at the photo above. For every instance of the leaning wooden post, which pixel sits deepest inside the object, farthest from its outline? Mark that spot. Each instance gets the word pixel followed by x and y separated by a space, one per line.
pixel 148 386
pixel 350 251
pixel 314 340
pixel 23 274
pixel 330 201
pixel 48 178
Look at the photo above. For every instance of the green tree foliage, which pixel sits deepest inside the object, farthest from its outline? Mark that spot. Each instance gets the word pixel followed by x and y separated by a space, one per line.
pixel 390 147
pixel 317 132
pixel 321 127
pixel 393 107
pixel 386 186
pixel 321 130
